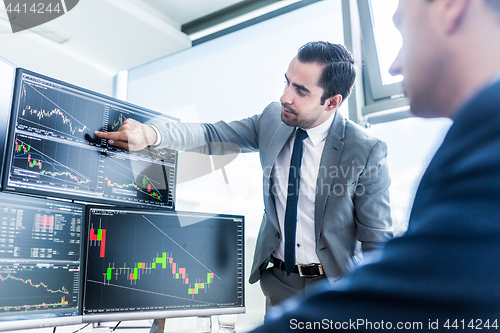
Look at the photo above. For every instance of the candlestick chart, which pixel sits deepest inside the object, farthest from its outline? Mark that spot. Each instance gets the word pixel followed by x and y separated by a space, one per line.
pixel 143 260
pixel 53 149
pixel 58 112
pixel 116 118
pixel 51 163
pixel 117 115
pixel 135 177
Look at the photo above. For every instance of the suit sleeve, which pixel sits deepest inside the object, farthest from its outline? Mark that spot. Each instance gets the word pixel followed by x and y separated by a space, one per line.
pixel 218 138
pixel 371 201
pixel 181 136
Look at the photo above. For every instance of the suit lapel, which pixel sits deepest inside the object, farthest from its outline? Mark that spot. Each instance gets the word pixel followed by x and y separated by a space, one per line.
pixel 330 157
pixel 278 140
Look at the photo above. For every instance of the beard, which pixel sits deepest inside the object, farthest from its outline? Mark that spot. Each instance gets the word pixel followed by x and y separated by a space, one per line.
pixel 293 120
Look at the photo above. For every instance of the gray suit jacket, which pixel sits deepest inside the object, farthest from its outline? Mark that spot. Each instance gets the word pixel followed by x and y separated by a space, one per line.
pixel 352 210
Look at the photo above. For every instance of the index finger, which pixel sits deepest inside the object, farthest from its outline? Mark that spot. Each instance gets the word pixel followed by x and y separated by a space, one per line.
pixel 110 135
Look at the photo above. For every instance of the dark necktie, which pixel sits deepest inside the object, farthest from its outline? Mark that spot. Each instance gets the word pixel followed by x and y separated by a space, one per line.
pixel 292 199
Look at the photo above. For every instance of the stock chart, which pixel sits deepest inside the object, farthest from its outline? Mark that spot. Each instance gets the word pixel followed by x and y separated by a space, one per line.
pixel 54 151
pixel 31 286
pixel 50 111
pixel 151 261
pixel 139 178
pixel 40 250
pixel 53 163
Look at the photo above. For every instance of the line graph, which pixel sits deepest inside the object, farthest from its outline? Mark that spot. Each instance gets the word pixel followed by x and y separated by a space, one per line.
pixel 58 112
pixel 29 287
pixel 45 162
pixel 63 290
pixel 157 263
pixel 40 114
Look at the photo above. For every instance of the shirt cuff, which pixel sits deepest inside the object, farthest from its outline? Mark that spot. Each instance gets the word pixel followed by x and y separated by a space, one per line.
pixel 158 135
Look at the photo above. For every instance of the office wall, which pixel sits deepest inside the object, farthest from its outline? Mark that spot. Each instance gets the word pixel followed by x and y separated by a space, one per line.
pixel 233 77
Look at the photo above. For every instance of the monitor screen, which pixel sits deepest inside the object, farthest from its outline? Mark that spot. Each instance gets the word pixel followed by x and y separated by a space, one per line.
pixel 7 75
pixel 53 150
pixel 40 261
pixel 154 264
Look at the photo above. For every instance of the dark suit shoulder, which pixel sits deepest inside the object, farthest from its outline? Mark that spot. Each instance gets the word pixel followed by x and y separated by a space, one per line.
pixel 472 142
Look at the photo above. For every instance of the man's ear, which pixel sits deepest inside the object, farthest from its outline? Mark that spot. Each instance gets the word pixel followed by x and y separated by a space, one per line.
pixel 454 13
pixel 333 102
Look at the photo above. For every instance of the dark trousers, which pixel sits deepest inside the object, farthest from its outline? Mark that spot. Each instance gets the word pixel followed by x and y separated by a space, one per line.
pixel 277 286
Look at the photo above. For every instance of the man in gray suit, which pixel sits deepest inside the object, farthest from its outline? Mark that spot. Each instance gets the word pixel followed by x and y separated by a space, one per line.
pixel 332 203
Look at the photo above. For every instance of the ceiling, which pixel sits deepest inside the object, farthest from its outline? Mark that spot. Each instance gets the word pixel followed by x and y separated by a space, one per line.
pixel 183 11
pixel 116 35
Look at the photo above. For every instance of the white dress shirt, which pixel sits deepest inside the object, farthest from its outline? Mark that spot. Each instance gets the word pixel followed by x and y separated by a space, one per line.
pixel 305 239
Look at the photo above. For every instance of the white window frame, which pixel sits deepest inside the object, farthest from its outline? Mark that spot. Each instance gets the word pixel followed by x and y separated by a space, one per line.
pixel 379 102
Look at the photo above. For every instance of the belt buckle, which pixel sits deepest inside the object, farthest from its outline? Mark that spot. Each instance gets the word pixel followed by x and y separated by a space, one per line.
pixel 320 268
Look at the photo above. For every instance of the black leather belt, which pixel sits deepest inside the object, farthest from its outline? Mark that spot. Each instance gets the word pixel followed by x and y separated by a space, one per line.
pixel 309 270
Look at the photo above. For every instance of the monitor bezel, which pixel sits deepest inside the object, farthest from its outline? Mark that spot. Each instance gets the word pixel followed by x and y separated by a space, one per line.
pixel 7 84
pixel 22 324
pixel 8 158
pixel 158 314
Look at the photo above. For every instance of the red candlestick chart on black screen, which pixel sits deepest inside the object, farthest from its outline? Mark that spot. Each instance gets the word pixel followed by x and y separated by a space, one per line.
pixel 151 259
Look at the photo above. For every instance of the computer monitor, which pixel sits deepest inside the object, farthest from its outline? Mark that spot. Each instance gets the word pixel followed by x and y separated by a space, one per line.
pixel 41 246
pixel 7 76
pixel 159 264
pixel 53 151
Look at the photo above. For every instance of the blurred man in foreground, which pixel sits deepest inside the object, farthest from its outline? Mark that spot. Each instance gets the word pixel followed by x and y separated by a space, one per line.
pixel 444 273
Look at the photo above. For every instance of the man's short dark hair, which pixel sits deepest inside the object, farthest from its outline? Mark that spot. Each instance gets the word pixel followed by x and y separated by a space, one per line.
pixel 339 72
